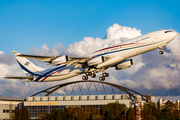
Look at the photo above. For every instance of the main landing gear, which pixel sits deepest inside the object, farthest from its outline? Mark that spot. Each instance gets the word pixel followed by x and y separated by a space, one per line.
pixel 103 76
pixel 161 52
pixel 85 77
pixel 93 75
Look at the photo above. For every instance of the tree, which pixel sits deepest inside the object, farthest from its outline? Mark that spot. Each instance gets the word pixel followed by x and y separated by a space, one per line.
pixel 92 113
pixel 131 114
pixel 165 116
pixel 21 114
pixel 56 115
pixel 113 110
pixel 149 109
pixel 150 117
pixel 75 113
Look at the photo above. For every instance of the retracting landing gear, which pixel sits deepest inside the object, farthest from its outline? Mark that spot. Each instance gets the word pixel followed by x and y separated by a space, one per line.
pixel 161 52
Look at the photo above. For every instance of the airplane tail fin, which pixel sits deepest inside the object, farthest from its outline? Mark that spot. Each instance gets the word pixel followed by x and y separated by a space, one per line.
pixel 28 67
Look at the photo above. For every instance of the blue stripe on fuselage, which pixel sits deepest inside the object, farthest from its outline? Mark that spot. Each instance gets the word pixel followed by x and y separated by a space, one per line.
pixel 47 73
pixel 125 49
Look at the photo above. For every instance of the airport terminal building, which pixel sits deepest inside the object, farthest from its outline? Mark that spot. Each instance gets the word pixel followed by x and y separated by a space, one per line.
pixel 39 104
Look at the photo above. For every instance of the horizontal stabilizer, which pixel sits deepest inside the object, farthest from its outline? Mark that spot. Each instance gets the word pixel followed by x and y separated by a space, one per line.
pixel 20 77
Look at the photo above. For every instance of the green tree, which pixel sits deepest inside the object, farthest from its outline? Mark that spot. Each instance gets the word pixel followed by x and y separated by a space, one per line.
pixel 149 109
pixel 165 116
pixel 75 113
pixel 21 114
pixel 92 113
pixel 131 114
pixel 113 110
pixel 150 117
pixel 56 115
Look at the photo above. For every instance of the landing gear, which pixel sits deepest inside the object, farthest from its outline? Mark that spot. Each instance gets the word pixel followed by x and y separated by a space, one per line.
pixel 105 74
pixel 88 73
pixel 101 78
pixel 93 75
pixel 161 52
pixel 85 77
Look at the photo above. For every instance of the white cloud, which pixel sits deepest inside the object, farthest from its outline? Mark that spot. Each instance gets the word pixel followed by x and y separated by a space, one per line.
pixel 1 52
pixel 117 31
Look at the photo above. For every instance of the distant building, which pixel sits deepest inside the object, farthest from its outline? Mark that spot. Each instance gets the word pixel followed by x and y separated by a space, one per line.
pixel 8 105
pixel 162 103
pixel 44 104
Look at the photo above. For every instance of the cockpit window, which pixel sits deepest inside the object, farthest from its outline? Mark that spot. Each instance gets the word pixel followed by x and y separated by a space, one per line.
pixel 167 31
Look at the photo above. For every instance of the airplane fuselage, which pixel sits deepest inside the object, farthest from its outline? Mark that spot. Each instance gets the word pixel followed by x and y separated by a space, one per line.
pixel 116 54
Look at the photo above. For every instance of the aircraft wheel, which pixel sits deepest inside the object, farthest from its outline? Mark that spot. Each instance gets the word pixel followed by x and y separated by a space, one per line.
pixel 105 74
pixel 101 78
pixel 85 77
pixel 93 75
pixel 88 73
pixel 161 52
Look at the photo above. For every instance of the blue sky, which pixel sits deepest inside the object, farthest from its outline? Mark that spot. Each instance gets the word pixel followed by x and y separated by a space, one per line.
pixel 27 24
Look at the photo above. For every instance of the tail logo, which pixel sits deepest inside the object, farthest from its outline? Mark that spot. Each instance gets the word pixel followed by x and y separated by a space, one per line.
pixel 27 63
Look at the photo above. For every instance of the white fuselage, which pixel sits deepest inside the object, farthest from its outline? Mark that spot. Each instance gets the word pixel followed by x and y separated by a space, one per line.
pixel 117 53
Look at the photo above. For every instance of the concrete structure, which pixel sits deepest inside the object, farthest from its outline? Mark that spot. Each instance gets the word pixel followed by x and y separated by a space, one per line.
pixel 38 105
pixel 7 106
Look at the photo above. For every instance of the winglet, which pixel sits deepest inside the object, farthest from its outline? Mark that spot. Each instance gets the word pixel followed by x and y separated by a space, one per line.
pixel 16 53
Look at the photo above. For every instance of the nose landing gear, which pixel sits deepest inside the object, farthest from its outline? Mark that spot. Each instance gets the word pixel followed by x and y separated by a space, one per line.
pixel 161 52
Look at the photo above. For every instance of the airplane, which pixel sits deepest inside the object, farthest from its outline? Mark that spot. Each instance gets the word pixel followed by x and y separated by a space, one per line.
pixel 117 56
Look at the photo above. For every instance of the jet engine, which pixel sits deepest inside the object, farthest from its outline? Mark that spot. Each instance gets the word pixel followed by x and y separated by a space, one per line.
pixel 96 61
pixel 124 64
pixel 60 60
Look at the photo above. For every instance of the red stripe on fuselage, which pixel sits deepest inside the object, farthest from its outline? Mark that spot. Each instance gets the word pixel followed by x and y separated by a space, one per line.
pixel 50 75
pixel 115 46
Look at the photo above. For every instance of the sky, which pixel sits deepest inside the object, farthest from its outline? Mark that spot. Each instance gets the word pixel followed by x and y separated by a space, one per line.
pixel 75 28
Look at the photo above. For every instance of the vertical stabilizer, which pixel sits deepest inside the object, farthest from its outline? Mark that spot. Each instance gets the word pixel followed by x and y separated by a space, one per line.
pixel 28 66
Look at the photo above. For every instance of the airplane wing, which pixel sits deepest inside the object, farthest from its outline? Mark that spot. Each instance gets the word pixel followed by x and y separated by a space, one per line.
pixel 36 57
pixel 20 77
pixel 77 61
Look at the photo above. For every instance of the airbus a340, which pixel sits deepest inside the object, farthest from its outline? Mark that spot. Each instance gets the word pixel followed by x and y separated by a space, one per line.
pixel 99 61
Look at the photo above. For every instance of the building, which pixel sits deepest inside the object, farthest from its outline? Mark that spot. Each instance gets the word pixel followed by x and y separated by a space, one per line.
pixel 42 104
pixel 8 105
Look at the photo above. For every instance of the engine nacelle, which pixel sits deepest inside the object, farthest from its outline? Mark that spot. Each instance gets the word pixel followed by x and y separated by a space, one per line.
pixel 96 61
pixel 124 64
pixel 60 60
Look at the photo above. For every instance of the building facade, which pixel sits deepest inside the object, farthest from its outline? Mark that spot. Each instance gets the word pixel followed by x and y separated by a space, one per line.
pixel 39 105
pixel 7 106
